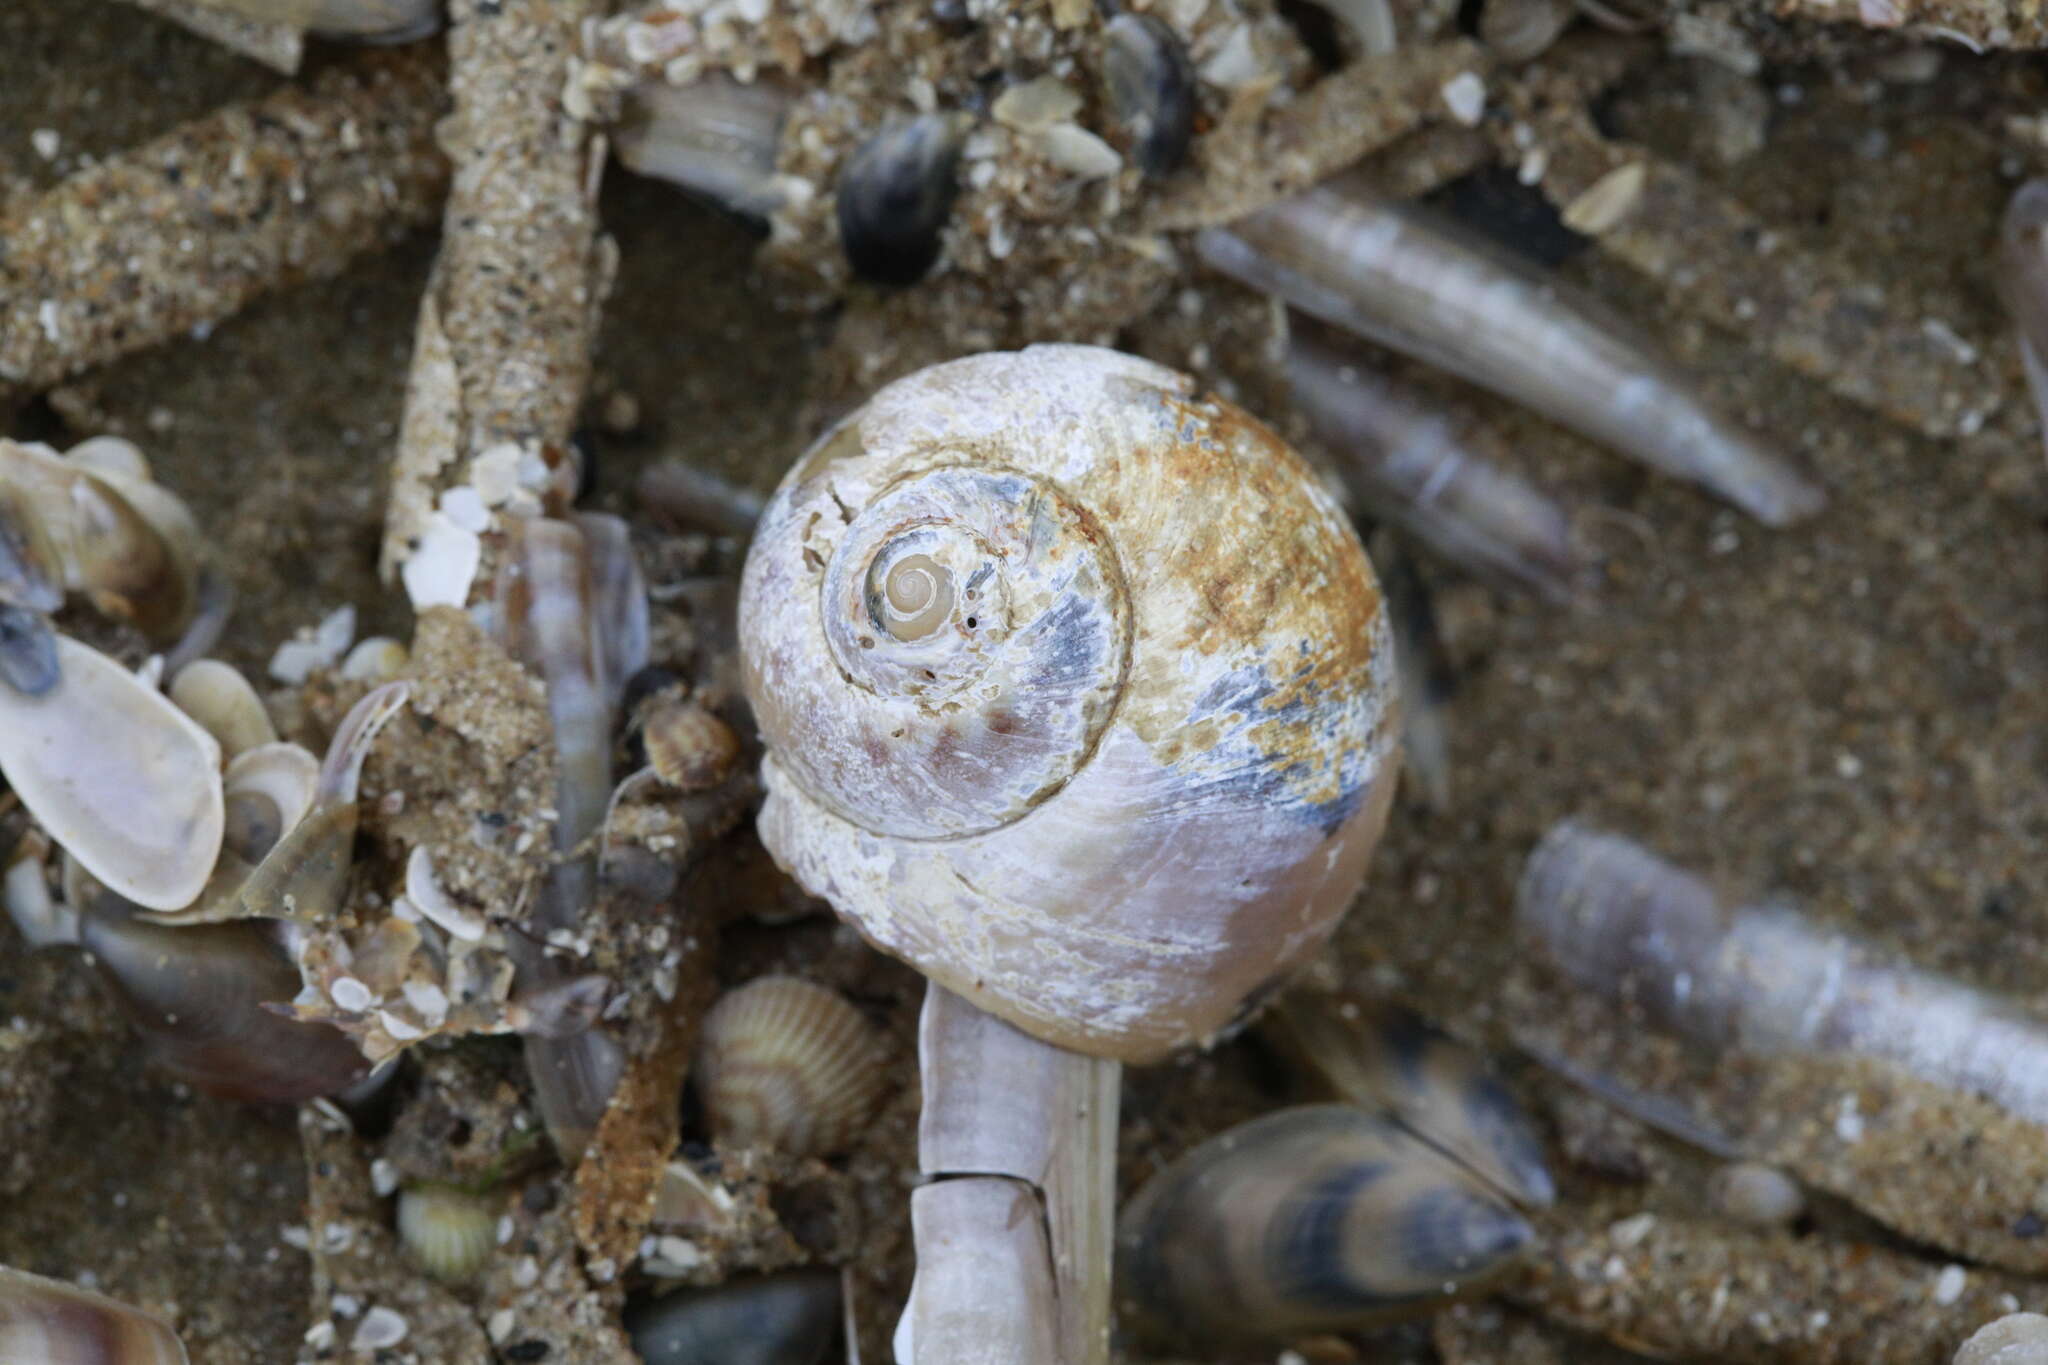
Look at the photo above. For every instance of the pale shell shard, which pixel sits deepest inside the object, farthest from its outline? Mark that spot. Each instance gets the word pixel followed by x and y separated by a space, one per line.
pixel 49 1322
pixel 2023 283
pixel 449 1231
pixel 122 779
pixel 1382 1057
pixel 1310 1219
pixel 221 699
pixel 1121 729
pixel 785 1063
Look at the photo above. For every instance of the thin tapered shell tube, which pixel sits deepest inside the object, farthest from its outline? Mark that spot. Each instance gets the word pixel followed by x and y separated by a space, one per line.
pixel 2023 283
pixel 1407 465
pixel 49 1322
pixel 1311 1219
pixel 1630 927
pixel 199 995
pixel 217 213
pixel 1393 275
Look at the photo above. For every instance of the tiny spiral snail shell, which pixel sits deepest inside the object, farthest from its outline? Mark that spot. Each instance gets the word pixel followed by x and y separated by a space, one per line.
pixel 1077 693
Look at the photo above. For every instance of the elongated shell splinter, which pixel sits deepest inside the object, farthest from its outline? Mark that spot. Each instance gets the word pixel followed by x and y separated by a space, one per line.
pixel 1077 693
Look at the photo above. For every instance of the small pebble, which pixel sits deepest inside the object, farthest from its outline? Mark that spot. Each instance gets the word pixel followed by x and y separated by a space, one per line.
pixel 1465 96
pixel 1755 1195
pixel 379 1328
pixel 1949 1284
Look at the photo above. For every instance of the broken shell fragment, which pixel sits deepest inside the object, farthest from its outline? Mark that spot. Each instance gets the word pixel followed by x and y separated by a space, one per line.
pixel 786 1319
pixel 200 995
pixel 788 1064
pixel 118 776
pixel 1755 1195
pixel 1382 1057
pixel 449 1231
pixel 1310 1219
pixel 2023 284
pixel 895 196
pixel 304 875
pixel 1150 85
pixel 221 699
pixel 49 1322
pixel 28 650
pixel 715 137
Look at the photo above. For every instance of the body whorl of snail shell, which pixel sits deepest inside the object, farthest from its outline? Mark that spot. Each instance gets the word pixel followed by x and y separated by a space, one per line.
pixel 1077 693
pixel 49 1322
pixel 788 1064
pixel 1310 1219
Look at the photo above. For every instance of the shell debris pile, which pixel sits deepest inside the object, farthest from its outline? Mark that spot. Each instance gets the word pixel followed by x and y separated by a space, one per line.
pixel 321 794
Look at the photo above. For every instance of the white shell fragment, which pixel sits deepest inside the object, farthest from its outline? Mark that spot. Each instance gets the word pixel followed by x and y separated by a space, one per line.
pixel 298 659
pixel 117 775
pixel 2015 1339
pixel 432 900
pixel 440 571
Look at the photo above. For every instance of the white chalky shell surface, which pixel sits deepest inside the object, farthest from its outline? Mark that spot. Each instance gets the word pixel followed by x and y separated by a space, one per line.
pixel 1146 780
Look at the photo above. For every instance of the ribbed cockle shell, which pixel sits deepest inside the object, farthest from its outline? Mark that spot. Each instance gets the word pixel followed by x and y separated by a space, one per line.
pixel 788 1064
pixel 1077 693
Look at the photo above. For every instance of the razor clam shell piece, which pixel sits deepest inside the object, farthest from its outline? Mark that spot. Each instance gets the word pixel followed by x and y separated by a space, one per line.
pixel 1408 466
pixel 983 1293
pixel 1636 930
pixel 200 996
pixel 123 780
pixel 221 699
pixel 1397 276
pixel 895 195
pixel 1382 1057
pixel 49 1322
pixel 785 1063
pixel 716 137
pixel 1311 1219
pixel 998 1101
pixel 785 1319
pixel 449 1231
pixel 2023 283
pixel 304 876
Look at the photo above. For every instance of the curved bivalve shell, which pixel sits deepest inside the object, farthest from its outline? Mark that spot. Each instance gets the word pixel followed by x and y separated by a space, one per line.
pixel 1307 1220
pixel 449 1231
pixel 305 873
pixel 1150 85
pixel 199 996
pixel 895 195
pixel 221 699
pixel 784 1063
pixel 375 660
pixel 786 1319
pixel 120 778
pixel 49 1322
pixel 116 455
pixel 268 790
pixel 1077 693
pixel 1380 1056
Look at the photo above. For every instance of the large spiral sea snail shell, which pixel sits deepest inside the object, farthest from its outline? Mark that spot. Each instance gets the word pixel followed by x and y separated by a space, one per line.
pixel 1077 693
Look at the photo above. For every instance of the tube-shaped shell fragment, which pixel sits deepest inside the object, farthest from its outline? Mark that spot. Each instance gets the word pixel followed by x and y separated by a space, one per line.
pixel 126 782
pixel 1309 1219
pixel 2023 283
pixel 1394 275
pixel 1077 691
pixel 49 1322
pixel 1624 924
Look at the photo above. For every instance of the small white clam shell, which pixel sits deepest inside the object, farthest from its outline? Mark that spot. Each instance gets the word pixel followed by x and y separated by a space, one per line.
pixel 125 781
pixel 285 774
pixel 221 699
